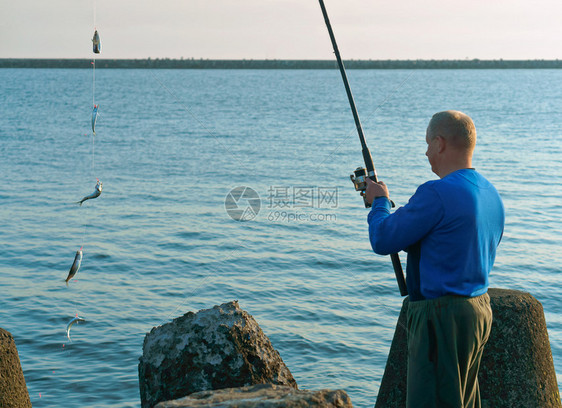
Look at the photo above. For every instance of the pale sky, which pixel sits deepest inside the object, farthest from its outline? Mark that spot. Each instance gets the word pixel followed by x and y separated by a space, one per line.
pixel 282 29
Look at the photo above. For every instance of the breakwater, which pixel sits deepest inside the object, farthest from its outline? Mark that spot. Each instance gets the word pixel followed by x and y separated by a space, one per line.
pixel 192 63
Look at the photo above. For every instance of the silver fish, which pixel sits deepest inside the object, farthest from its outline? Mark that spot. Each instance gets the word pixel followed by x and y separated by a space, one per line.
pixel 94 118
pixel 75 266
pixel 95 194
pixel 96 42
pixel 69 325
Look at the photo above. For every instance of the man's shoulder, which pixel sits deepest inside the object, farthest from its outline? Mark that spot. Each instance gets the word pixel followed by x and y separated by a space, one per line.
pixel 427 192
pixel 453 183
pixel 429 187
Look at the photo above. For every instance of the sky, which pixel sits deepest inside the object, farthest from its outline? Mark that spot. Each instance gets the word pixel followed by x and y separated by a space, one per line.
pixel 282 29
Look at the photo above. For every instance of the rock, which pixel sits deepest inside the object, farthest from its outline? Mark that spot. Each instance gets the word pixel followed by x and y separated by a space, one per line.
pixel 392 393
pixel 13 391
pixel 517 369
pixel 263 396
pixel 517 366
pixel 216 348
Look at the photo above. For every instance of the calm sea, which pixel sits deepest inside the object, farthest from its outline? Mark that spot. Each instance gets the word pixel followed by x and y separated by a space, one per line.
pixel 159 242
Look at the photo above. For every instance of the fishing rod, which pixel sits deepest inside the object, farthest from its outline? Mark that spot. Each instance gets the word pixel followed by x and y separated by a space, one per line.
pixel 358 178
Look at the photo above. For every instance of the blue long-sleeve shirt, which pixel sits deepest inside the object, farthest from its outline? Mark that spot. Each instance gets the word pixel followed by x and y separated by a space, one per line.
pixel 450 228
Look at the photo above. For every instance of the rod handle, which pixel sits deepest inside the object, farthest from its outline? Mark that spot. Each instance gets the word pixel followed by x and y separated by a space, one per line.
pixel 397 265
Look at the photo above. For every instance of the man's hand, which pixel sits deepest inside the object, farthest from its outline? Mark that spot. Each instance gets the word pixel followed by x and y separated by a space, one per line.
pixel 375 190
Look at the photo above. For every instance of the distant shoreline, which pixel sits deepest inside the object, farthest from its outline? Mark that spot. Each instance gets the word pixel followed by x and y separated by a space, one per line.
pixel 166 63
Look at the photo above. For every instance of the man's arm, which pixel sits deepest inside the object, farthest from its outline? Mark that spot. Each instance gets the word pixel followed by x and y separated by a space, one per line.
pixel 391 233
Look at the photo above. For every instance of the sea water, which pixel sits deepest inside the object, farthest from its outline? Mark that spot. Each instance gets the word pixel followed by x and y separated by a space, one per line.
pixel 172 146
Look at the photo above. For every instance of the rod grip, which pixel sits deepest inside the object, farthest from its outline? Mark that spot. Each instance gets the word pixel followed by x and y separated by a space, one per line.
pixel 397 265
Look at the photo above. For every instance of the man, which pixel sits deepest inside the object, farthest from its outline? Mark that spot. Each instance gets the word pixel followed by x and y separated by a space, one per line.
pixel 450 228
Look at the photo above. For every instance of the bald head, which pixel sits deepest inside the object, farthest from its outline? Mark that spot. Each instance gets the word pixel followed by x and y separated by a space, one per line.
pixel 454 126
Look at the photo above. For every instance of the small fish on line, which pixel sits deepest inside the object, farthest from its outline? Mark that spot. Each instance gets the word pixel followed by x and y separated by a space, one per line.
pixel 96 42
pixel 94 118
pixel 69 325
pixel 95 194
pixel 75 265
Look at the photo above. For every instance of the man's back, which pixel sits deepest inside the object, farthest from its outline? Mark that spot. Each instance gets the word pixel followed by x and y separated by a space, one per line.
pixel 458 252
pixel 450 228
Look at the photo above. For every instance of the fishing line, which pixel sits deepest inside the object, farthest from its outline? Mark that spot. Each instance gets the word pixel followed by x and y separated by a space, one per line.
pixel 79 255
pixel 94 156
pixel 94 81
pixel 94 6
pixel 93 95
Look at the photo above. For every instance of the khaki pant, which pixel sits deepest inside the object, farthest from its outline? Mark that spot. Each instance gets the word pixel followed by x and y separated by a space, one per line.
pixel 446 338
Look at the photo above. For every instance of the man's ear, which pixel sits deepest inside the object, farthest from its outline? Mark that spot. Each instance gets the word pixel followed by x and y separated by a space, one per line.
pixel 441 143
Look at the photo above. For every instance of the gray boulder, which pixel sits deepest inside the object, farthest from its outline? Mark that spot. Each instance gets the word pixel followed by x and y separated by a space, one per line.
pixel 13 390
pixel 216 348
pixel 262 396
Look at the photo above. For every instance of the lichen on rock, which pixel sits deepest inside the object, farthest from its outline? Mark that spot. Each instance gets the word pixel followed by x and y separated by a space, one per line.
pixel 216 348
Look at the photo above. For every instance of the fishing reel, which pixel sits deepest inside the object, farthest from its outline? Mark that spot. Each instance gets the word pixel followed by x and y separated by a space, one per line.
pixel 359 180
